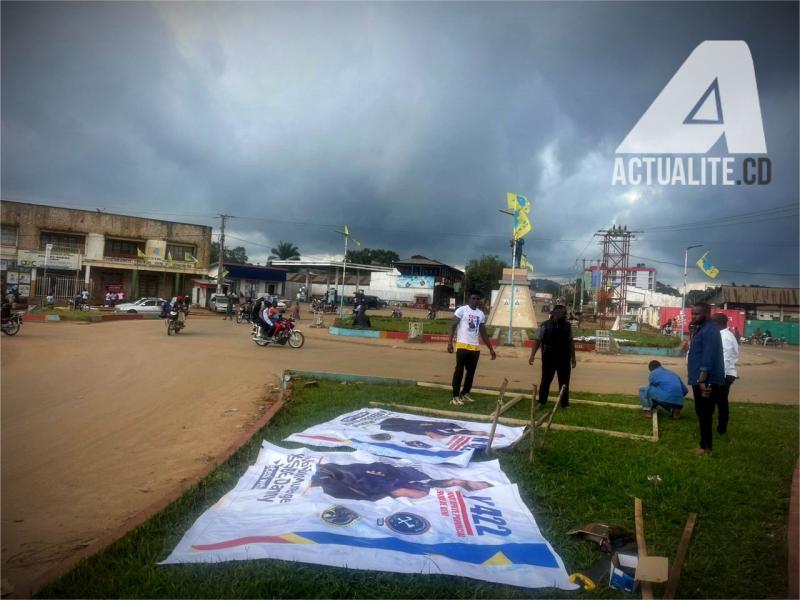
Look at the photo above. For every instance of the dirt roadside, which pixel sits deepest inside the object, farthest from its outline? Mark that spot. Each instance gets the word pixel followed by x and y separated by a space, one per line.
pixel 99 421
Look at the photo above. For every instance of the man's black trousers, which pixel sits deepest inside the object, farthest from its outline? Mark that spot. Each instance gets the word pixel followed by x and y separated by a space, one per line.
pixel 550 368
pixel 465 359
pixel 722 419
pixel 704 408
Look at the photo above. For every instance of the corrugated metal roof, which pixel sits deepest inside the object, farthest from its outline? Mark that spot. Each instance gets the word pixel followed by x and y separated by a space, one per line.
pixel 757 295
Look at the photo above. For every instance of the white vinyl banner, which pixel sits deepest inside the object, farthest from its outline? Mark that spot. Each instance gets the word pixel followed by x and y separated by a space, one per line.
pixel 355 510
pixel 401 435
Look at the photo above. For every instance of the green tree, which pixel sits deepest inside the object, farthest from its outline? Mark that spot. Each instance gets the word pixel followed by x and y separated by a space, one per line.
pixel 285 251
pixel 482 274
pixel 235 255
pixel 370 256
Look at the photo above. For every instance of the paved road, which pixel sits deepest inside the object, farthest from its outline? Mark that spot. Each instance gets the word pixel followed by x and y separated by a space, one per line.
pixel 99 421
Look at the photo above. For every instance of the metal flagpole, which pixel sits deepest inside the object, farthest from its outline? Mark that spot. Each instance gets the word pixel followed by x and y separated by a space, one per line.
pixel 683 301
pixel 511 306
pixel 344 269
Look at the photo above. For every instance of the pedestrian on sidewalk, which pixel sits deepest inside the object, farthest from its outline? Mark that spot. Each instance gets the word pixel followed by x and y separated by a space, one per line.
pixel 558 353
pixel 706 371
pixel 730 356
pixel 468 327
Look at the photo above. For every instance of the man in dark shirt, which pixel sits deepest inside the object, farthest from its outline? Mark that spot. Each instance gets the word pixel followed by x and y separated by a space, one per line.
pixel 706 368
pixel 374 481
pixel 558 353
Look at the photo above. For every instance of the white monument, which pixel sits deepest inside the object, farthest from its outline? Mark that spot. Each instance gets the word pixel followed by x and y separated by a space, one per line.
pixel 524 315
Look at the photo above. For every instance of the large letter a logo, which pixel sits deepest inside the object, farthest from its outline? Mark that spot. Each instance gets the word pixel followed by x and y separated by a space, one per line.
pixel 713 93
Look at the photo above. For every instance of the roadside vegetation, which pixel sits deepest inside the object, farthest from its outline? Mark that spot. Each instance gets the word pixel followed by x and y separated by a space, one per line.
pixel 741 494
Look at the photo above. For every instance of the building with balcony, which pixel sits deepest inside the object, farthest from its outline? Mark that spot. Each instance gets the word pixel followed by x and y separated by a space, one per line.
pixel 64 250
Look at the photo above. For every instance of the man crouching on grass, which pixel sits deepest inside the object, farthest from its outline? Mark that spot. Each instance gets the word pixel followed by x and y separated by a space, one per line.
pixel 470 322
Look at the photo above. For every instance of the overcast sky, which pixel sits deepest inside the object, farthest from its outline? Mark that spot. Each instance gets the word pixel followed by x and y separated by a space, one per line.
pixel 408 122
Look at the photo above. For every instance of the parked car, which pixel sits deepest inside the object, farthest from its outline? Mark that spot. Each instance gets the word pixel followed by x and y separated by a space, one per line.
pixel 149 304
pixel 218 302
pixel 374 302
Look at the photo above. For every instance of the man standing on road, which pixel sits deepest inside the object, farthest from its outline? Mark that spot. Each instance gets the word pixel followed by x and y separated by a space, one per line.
pixel 228 306
pixel 558 353
pixel 470 323
pixel 706 371
pixel 730 356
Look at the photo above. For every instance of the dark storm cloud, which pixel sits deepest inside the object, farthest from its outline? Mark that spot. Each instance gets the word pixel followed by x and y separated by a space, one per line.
pixel 408 122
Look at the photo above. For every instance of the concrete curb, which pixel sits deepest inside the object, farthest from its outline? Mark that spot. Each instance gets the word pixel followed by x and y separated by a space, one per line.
pixel 345 377
pixel 133 522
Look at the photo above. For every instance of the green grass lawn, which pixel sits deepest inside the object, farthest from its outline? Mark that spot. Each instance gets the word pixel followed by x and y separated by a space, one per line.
pixel 741 494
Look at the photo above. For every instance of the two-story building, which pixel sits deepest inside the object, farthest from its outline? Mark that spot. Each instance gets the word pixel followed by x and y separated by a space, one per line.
pixel 64 250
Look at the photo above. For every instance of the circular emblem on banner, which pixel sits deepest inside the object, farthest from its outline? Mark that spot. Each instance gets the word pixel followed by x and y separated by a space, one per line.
pixel 417 444
pixel 408 523
pixel 339 515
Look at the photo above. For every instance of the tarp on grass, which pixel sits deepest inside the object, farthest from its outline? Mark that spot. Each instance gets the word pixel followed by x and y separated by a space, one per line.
pixel 401 435
pixel 358 511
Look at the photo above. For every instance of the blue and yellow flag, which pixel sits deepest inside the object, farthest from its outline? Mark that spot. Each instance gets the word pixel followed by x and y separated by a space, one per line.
pixel 706 267
pixel 190 258
pixel 141 254
pixel 523 262
pixel 521 207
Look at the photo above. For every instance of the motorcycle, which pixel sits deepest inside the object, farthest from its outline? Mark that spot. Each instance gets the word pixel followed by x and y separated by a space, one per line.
pixel 397 313
pixel 431 314
pixel 174 322
pixel 287 334
pixel 80 304
pixel 774 341
pixel 12 324
pixel 244 313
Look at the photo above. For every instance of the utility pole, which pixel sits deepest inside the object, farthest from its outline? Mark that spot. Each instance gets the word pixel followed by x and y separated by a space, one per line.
pixel 582 285
pixel 220 260
pixel 683 300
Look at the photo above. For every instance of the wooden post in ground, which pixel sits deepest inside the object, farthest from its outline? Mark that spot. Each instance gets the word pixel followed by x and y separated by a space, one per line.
pixel 641 544
pixel 680 555
pixel 533 418
pixel 496 416
pixel 553 412
pixel 655 423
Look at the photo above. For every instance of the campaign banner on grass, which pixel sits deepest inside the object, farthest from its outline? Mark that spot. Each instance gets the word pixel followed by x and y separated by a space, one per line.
pixel 358 511
pixel 401 435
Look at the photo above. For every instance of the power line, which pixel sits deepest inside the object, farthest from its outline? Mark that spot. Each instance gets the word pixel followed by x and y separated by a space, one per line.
pixel 664 262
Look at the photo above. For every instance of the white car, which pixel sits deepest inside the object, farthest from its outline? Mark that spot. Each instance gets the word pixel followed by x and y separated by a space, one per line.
pixel 142 305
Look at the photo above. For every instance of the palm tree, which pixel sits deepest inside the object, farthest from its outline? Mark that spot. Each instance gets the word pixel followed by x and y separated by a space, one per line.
pixel 285 251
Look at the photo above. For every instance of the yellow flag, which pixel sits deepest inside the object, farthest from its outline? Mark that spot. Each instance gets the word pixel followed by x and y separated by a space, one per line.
pixel 169 257
pixel 141 254
pixel 523 262
pixel 706 267
pixel 346 230
pixel 522 226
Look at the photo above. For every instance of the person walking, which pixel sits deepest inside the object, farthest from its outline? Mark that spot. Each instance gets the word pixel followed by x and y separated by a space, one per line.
pixel 228 306
pixel 730 356
pixel 554 337
pixel 469 323
pixel 706 371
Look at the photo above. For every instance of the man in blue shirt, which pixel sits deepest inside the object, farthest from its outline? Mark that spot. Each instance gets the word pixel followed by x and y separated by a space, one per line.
pixel 706 371
pixel 665 389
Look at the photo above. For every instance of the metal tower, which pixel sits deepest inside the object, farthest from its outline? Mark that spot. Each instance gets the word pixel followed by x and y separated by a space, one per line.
pixel 616 250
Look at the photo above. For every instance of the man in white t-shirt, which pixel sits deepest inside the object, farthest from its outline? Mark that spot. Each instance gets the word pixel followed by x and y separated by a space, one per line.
pixel 470 323
pixel 730 356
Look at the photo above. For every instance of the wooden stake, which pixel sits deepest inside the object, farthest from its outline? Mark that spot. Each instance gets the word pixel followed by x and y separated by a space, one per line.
pixel 496 416
pixel 680 555
pixel 511 403
pixel 618 434
pixel 534 397
pixel 488 392
pixel 655 423
pixel 450 413
pixel 641 544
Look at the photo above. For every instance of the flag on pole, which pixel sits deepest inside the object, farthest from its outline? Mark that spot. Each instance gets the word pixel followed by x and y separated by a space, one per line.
pixel 346 230
pixel 521 207
pixel 706 267
pixel 141 254
pixel 523 262
pixel 169 257
pixel 190 258
pixel 346 234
